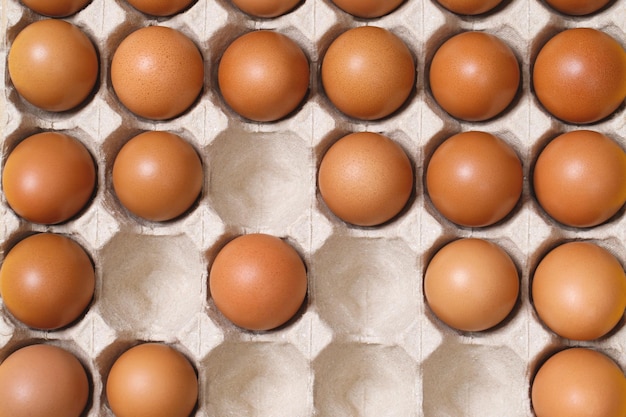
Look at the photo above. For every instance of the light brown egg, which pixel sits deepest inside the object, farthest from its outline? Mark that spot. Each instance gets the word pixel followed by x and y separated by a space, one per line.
pixel 580 178
pixel 47 281
pixel 48 178
pixel 53 65
pixel 157 175
pixel 471 284
pixel 368 72
pixel 579 290
pixel 157 72
pixel 469 7
pixel 368 9
pixel 579 75
pixel 579 382
pixel 474 76
pixel 56 8
pixel 42 381
pixel 577 7
pixel 365 178
pixel 474 179
pixel 263 75
pixel 152 379
pixel 258 281
pixel 160 7
pixel 266 8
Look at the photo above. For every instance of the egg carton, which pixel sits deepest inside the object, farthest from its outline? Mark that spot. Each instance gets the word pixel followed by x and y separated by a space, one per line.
pixel 365 343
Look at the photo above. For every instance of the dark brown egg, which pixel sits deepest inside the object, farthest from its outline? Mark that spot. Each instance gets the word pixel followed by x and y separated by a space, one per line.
pixel 580 178
pixel 152 379
pixel 263 75
pixel 42 381
pixel 365 178
pixel 579 75
pixel 160 7
pixel 258 281
pixel 368 72
pixel 368 9
pixel 56 8
pixel 157 175
pixel 48 178
pixel 474 76
pixel 474 179
pixel 579 290
pixel 471 284
pixel 157 72
pixel 53 65
pixel 266 8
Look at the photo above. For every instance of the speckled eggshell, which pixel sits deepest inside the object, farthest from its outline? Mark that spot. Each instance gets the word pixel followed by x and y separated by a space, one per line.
pixel 266 8
pixel 368 9
pixel 474 179
pixel 157 72
pixel 47 281
pixel 365 178
pixel 48 178
pixel 42 381
pixel 263 75
pixel 53 65
pixel 56 8
pixel 258 281
pixel 368 72
pixel 579 75
pixel 474 76
pixel 579 178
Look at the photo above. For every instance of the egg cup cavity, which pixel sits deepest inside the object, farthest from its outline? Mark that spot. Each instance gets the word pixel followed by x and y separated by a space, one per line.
pixel 266 375
pixel 388 380
pixel 487 372
pixel 360 286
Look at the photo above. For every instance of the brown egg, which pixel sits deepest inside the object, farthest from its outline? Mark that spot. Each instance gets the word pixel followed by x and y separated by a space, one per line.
pixel 365 178
pixel 157 72
pixel 368 72
pixel 258 281
pixel 42 381
pixel 160 7
pixel 56 8
pixel 474 76
pixel 266 8
pixel 469 7
pixel 577 7
pixel 47 281
pixel 474 179
pixel 48 178
pixel 53 65
pixel 157 176
pixel 263 75
pixel 579 382
pixel 152 379
pixel 579 290
pixel 471 284
pixel 579 75
pixel 368 9
pixel 580 178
